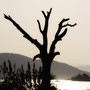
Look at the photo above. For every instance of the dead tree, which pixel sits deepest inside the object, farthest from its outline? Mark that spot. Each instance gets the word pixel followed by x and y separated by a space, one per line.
pixel 45 56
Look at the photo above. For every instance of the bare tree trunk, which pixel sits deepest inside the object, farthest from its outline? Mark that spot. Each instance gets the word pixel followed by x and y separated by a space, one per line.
pixel 46 74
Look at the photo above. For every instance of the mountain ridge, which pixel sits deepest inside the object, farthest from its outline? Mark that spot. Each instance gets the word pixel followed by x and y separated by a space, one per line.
pixel 61 70
pixel 84 67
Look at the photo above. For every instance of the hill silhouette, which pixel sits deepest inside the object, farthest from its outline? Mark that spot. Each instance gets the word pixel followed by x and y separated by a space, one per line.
pixel 61 70
pixel 84 67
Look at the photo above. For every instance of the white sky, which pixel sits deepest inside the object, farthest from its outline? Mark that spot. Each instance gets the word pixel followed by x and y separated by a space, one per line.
pixel 75 46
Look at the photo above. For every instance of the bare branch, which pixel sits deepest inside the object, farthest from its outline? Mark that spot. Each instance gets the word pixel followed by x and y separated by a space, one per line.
pixel 60 26
pixel 48 13
pixel 59 37
pixel 63 20
pixel 47 21
pixel 44 14
pixel 45 30
pixel 37 56
pixel 62 35
pixel 26 35
pixel 69 25
pixel 39 26
pixel 7 17
pixel 52 48
pixel 57 53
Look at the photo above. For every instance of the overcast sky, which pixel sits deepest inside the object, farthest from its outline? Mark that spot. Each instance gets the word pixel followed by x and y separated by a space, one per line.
pixel 75 46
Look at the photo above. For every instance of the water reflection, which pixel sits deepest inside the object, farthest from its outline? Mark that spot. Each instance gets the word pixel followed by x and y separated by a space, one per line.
pixel 71 85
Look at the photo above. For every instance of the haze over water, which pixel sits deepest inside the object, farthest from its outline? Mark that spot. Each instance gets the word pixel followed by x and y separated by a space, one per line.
pixel 71 85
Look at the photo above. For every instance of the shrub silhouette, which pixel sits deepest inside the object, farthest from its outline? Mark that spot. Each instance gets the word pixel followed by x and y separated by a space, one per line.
pixel 45 56
pixel 81 77
pixel 20 79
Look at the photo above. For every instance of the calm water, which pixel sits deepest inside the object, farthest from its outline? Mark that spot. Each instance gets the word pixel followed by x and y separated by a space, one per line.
pixel 71 85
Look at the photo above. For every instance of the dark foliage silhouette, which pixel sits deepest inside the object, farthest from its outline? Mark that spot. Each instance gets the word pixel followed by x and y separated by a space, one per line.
pixel 45 56
pixel 81 77
pixel 20 79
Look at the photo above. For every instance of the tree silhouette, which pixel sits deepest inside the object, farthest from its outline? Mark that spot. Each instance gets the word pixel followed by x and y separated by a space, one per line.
pixel 20 79
pixel 4 69
pixel 28 76
pixel 45 56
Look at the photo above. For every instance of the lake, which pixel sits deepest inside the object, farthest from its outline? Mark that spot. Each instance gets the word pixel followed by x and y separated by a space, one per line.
pixel 71 85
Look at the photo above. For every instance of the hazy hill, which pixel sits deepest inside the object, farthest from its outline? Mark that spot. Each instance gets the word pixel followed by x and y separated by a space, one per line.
pixel 85 68
pixel 61 70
